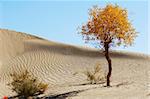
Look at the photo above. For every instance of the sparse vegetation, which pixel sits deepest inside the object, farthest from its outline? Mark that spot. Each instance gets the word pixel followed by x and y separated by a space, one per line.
pixel 25 85
pixel 96 76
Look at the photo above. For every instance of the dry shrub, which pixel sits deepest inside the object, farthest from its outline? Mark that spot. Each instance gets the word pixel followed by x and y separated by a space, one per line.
pixel 96 76
pixel 25 85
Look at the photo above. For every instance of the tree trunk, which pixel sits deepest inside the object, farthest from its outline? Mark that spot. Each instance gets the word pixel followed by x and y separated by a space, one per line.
pixel 106 46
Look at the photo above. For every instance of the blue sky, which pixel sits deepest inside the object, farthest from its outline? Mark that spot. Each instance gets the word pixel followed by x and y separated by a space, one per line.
pixel 58 20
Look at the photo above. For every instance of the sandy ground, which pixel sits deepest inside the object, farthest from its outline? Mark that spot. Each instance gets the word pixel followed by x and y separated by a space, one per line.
pixel 55 64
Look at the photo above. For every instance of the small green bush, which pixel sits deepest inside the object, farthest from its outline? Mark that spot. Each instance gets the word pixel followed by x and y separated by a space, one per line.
pixel 25 85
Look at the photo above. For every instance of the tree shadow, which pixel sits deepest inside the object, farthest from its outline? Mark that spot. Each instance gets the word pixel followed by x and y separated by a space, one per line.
pixel 64 95
pixel 69 94
pixel 56 96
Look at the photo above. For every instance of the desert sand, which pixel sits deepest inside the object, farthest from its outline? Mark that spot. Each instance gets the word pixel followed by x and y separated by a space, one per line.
pixel 55 63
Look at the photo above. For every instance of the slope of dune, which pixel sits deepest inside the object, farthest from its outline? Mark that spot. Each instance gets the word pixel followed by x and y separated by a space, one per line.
pixel 55 64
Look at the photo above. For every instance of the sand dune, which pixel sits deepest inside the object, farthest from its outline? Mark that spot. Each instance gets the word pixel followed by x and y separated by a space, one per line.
pixel 55 64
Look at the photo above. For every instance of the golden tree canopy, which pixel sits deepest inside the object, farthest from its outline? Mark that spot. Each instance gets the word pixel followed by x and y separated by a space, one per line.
pixel 109 25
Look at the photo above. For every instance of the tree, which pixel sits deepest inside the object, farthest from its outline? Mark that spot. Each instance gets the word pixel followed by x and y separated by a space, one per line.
pixel 108 26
